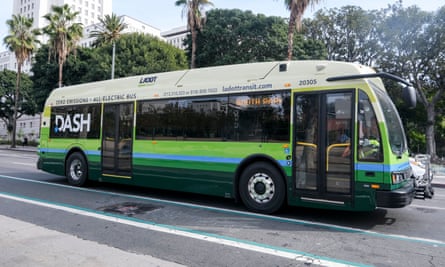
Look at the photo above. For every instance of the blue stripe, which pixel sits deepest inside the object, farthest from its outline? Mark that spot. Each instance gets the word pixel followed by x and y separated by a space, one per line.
pixel 63 151
pixel 379 167
pixel 208 159
pixel 51 150
pixel 196 158
pixel 396 167
pixel 369 167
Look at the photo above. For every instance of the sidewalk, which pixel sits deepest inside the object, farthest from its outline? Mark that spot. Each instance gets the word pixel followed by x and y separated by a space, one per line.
pixel 19 148
pixel 438 181
pixel 24 244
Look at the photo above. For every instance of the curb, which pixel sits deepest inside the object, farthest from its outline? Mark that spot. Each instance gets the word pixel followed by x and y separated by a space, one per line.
pixel 437 185
pixel 19 148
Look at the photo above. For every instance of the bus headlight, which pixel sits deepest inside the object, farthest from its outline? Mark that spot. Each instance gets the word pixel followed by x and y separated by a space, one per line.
pixel 397 177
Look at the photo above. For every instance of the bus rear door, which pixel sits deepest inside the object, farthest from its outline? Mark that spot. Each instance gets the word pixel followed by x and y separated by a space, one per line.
pixel 323 166
pixel 117 140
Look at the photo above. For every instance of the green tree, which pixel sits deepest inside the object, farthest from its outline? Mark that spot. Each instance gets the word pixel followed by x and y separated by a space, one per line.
pixel 235 36
pixel 193 9
pixel 110 30
pixel 22 41
pixel 349 33
pixel 408 42
pixel 45 75
pixel 77 70
pixel 413 42
pixel 297 9
pixel 430 80
pixel 63 33
pixel 140 54
pixel 440 132
pixel 10 109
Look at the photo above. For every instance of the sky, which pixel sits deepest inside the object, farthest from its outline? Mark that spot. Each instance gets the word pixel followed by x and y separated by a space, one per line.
pixel 164 15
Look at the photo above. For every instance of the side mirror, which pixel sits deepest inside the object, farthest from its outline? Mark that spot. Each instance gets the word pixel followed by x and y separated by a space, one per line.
pixel 409 96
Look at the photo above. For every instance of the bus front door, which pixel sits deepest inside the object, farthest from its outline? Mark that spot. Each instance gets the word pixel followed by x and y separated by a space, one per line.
pixel 117 140
pixel 323 165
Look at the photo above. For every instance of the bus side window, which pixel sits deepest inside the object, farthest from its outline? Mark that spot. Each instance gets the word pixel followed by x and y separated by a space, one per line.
pixel 369 148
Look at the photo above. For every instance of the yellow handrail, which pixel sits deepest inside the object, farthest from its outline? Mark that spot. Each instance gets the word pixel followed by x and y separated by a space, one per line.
pixel 329 150
pixel 307 144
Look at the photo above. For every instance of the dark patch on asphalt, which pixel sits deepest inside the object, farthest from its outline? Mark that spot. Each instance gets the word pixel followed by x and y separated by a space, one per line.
pixel 129 208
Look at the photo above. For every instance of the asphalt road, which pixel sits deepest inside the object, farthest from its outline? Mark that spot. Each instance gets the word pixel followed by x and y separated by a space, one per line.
pixel 45 222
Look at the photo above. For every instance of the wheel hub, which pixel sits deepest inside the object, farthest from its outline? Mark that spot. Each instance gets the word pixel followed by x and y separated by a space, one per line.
pixel 76 170
pixel 261 188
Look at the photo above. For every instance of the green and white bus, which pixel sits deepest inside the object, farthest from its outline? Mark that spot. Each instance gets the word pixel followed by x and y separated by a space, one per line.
pixel 316 134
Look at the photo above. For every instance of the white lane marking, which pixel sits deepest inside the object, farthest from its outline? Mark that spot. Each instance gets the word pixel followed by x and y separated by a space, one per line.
pixel 233 242
pixel 25 164
pixel 426 207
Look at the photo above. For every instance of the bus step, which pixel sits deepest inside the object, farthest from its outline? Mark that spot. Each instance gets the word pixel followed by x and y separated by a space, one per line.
pixel 423 192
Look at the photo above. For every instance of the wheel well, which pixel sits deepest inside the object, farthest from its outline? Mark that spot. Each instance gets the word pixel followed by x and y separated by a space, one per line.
pixel 72 151
pixel 253 159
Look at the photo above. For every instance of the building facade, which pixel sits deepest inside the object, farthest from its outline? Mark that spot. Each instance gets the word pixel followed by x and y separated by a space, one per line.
pixel 176 36
pixel 27 127
pixel 89 13
pixel 89 10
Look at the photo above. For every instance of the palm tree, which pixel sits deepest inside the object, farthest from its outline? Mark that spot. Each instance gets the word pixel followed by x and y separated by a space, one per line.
pixel 63 33
pixel 22 40
pixel 297 9
pixel 195 21
pixel 110 31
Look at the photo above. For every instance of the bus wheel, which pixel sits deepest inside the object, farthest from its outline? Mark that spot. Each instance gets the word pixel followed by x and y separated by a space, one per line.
pixel 261 188
pixel 76 169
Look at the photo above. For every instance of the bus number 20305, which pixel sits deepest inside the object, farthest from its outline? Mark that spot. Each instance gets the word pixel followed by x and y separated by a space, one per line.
pixel 307 82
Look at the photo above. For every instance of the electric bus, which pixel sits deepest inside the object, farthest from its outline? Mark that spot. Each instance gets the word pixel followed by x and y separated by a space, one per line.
pixel 317 134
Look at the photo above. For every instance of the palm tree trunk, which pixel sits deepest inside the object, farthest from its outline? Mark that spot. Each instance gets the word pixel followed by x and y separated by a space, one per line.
pixel 290 33
pixel 193 59
pixel 113 59
pixel 429 133
pixel 290 42
pixel 60 73
pixel 16 105
pixel 62 51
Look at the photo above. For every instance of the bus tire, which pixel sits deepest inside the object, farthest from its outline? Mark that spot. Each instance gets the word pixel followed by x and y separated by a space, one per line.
pixel 76 169
pixel 262 188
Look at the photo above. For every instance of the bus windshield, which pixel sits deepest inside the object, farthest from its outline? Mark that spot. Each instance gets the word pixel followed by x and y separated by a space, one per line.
pixel 393 123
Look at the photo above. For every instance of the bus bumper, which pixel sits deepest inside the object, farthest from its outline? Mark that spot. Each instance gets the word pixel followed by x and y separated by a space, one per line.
pixel 396 199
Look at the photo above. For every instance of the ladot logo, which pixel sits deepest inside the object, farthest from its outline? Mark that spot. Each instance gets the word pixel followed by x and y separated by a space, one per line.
pixel 148 80
pixel 74 124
